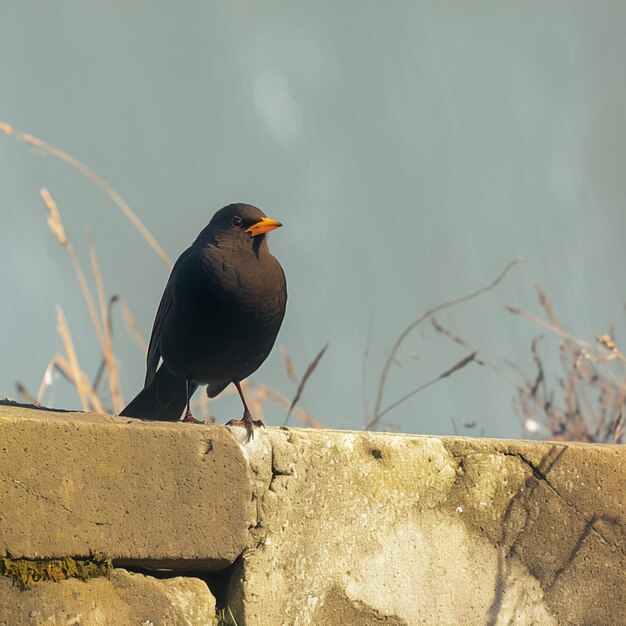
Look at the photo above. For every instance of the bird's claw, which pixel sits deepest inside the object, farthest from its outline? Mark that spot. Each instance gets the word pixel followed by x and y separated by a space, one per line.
pixel 190 419
pixel 248 423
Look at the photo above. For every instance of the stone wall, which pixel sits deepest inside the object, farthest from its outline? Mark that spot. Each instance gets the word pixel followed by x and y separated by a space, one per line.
pixel 298 527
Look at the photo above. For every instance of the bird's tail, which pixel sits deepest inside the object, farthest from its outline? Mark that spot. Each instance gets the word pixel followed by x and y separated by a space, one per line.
pixel 164 399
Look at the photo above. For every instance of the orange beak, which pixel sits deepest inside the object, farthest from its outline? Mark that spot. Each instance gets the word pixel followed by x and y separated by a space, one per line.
pixel 264 225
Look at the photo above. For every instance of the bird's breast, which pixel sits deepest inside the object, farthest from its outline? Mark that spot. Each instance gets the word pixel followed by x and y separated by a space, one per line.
pixel 224 321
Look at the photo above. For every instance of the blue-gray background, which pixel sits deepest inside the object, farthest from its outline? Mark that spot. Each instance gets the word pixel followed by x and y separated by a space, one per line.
pixel 411 149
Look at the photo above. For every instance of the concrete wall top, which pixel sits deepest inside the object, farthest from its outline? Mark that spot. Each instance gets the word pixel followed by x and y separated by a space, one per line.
pixel 324 527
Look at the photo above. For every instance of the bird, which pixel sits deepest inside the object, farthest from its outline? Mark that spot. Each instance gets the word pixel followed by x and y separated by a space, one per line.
pixel 218 318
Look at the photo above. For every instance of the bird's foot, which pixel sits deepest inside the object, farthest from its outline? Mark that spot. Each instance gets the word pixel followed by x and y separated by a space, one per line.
pixel 190 419
pixel 248 423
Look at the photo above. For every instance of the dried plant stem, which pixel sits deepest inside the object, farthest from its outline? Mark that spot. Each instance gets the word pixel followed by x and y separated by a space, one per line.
pixel 618 428
pixel 85 392
pixel 549 326
pixel 64 332
pixel 455 368
pixel 25 392
pixel 589 397
pixel 59 362
pixel 54 221
pixel 289 366
pixel 309 370
pixel 403 335
pixel 130 322
pixel 107 338
pixel 462 342
pixel 7 129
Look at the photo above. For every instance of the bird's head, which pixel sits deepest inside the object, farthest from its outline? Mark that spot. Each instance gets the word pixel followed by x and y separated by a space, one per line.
pixel 238 223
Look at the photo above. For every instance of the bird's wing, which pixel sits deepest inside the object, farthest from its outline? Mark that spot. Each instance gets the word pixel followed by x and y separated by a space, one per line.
pixel 154 350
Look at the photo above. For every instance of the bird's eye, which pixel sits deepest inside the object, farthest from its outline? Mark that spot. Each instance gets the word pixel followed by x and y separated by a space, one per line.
pixel 237 222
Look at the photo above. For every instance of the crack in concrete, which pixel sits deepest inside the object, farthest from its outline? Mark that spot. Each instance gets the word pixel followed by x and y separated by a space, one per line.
pixel 513 533
pixel 589 521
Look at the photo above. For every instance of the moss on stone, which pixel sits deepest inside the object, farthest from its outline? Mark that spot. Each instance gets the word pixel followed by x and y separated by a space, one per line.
pixel 28 572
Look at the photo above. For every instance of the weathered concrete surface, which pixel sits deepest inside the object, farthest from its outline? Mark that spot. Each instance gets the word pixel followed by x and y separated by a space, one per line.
pixel 168 495
pixel 336 528
pixel 124 600
pixel 360 529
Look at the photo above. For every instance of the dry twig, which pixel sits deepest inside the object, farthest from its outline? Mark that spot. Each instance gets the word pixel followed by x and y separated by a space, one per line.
pixel 24 392
pixel 107 337
pixel 88 397
pixel 429 313
pixel 309 370
pixel 56 226
pixel 455 368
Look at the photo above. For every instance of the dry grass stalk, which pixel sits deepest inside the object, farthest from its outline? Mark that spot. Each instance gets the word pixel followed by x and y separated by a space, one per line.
pixel 466 360
pixel 289 366
pixel 456 338
pixel 587 403
pixel 56 225
pixel 131 324
pixel 24 392
pixel 88 397
pixel 393 355
pixel 309 370
pixel 46 148
pixel 101 326
pixel 76 373
pixel 61 364
pixel 57 362
pixel 107 339
pixel 618 429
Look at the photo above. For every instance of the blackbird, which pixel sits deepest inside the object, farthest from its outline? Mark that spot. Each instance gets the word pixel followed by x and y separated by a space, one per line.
pixel 218 318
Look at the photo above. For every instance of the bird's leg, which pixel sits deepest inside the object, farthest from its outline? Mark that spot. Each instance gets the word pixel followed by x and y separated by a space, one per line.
pixel 247 417
pixel 188 416
pixel 247 420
